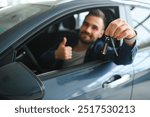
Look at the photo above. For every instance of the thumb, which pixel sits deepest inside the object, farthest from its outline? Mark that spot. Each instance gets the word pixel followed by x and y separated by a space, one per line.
pixel 64 42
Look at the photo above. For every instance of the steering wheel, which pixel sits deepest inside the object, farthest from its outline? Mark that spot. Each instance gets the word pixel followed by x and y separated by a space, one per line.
pixel 32 57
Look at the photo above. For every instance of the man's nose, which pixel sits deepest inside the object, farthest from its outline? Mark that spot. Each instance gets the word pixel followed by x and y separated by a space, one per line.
pixel 88 29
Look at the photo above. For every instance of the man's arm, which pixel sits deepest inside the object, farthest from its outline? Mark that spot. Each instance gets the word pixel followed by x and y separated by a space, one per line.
pixel 126 54
pixel 120 29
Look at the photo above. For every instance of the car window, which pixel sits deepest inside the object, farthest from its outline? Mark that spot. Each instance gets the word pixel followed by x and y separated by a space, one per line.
pixel 141 22
pixel 50 37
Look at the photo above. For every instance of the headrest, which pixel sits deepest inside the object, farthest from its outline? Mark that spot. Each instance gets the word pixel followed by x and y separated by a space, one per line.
pixel 110 16
pixel 69 23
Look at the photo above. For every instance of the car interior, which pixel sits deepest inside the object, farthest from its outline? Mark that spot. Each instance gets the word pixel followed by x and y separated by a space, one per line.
pixel 50 37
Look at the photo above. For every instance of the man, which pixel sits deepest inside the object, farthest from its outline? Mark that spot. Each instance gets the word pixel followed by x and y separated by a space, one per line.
pixel 90 45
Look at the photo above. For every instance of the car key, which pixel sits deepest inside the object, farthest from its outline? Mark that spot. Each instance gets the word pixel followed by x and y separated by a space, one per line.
pixel 114 46
pixel 107 41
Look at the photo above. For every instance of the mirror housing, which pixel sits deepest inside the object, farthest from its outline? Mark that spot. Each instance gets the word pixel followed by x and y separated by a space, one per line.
pixel 17 82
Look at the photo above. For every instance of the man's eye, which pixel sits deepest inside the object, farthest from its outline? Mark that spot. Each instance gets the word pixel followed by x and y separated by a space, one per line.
pixel 85 24
pixel 94 28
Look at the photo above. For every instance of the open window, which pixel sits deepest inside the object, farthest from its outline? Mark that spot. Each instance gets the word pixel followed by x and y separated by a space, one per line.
pixel 49 37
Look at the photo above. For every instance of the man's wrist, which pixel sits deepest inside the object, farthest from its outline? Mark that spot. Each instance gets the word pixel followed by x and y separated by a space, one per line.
pixel 131 41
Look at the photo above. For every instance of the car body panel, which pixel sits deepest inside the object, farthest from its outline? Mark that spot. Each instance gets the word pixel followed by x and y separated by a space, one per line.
pixel 86 83
pixel 142 75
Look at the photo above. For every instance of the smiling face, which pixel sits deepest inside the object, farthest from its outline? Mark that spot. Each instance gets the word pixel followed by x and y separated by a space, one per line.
pixel 91 29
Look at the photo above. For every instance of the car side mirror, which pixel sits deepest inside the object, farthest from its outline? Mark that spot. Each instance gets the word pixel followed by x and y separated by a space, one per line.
pixel 17 82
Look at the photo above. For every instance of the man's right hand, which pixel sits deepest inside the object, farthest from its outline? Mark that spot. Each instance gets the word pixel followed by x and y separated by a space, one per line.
pixel 63 52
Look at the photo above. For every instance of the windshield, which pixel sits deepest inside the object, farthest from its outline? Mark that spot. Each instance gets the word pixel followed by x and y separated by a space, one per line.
pixel 9 17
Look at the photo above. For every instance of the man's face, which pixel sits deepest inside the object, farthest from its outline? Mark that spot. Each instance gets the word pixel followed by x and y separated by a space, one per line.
pixel 91 29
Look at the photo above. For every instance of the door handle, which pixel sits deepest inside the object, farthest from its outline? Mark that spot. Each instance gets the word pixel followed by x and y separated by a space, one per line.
pixel 116 81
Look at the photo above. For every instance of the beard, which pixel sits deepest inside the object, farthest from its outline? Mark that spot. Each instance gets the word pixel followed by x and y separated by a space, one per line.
pixel 83 36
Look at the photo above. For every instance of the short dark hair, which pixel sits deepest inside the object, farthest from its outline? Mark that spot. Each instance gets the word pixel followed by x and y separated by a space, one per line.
pixel 97 13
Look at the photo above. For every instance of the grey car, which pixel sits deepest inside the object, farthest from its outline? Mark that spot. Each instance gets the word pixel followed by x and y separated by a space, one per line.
pixel 28 30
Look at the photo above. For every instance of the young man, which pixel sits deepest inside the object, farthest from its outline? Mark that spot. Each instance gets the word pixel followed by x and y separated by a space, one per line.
pixel 89 45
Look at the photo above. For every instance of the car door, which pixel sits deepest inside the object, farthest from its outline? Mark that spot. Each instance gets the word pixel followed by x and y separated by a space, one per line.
pixel 142 75
pixel 93 80
pixel 142 60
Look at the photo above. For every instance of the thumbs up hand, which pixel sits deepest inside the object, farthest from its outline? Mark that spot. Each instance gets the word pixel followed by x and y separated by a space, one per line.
pixel 63 52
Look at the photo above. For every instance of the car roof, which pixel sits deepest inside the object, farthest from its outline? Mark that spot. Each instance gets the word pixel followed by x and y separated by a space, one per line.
pixel 58 2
